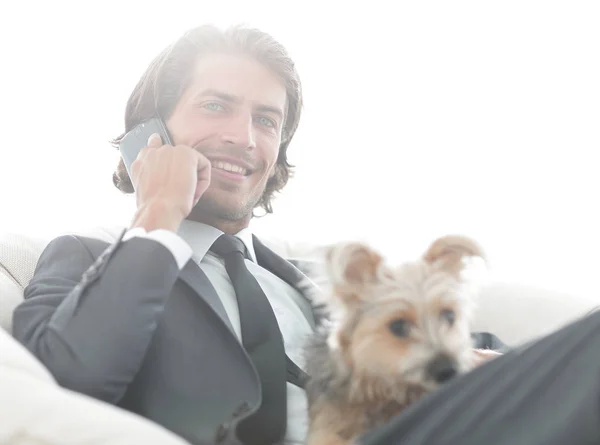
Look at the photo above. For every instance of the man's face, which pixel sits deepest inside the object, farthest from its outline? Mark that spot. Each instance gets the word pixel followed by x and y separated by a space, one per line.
pixel 232 113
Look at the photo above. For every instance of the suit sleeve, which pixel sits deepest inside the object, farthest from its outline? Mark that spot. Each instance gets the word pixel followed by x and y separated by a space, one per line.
pixel 89 320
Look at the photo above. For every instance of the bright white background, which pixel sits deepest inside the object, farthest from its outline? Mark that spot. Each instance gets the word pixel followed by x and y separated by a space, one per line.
pixel 421 119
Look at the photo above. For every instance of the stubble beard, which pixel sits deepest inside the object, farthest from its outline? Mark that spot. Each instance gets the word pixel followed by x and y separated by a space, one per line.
pixel 209 207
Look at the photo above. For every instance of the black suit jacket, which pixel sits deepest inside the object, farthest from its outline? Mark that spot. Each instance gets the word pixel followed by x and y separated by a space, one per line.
pixel 123 324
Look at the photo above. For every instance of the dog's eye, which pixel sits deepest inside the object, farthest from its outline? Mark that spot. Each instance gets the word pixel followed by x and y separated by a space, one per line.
pixel 448 315
pixel 400 327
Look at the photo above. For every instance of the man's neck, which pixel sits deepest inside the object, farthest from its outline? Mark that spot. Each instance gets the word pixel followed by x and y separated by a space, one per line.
pixel 225 226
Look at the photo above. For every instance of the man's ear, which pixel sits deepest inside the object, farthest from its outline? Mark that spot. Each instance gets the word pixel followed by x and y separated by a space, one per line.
pixel 450 253
pixel 351 268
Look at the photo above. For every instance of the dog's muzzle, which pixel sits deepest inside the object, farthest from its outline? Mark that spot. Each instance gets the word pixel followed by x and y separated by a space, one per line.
pixel 442 368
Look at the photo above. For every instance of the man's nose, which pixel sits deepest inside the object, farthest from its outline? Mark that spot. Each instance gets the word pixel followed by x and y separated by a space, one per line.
pixel 239 131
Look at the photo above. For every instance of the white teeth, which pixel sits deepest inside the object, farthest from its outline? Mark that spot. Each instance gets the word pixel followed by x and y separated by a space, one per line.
pixel 230 167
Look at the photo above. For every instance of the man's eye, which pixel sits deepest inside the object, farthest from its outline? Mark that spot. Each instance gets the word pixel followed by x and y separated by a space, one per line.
pixel 266 122
pixel 213 106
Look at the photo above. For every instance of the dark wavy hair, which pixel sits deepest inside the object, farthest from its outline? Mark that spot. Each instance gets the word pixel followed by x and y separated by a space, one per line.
pixel 159 89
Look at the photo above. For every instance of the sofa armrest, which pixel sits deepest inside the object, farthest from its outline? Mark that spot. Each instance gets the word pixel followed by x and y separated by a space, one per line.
pixel 518 314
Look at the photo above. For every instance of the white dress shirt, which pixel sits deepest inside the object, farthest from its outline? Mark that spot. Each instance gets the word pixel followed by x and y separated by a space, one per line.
pixel 194 240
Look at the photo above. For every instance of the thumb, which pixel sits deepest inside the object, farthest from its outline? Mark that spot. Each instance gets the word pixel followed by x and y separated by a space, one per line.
pixel 154 140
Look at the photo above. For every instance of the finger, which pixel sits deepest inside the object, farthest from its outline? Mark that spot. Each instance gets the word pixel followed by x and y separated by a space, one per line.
pixel 203 163
pixel 198 194
pixel 202 177
pixel 154 141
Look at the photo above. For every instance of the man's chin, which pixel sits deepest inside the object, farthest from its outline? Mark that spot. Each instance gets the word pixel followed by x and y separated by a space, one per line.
pixel 209 208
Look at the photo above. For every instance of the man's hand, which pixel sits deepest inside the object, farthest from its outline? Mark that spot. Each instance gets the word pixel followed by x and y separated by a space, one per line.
pixel 481 356
pixel 169 181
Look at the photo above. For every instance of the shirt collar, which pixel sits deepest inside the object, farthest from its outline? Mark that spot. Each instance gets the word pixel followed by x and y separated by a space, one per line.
pixel 201 236
pixel 246 236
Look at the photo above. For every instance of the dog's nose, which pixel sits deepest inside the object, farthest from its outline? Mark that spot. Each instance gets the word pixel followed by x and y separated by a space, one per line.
pixel 442 368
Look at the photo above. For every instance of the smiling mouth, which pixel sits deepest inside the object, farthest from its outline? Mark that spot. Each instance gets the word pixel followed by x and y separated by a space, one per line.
pixel 231 168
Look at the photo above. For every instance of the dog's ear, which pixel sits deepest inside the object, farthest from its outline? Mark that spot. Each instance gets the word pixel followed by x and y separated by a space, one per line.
pixel 450 253
pixel 352 267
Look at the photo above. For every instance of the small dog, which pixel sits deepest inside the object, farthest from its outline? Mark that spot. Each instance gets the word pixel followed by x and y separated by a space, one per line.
pixel 394 335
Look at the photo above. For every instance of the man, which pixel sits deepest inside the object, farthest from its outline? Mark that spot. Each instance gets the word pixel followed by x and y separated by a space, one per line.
pixel 165 321
pixel 151 323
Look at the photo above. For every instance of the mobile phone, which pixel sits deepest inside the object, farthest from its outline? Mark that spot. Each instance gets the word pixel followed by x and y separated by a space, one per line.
pixel 136 139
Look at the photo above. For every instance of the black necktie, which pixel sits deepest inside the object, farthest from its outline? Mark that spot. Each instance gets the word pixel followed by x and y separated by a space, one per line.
pixel 263 342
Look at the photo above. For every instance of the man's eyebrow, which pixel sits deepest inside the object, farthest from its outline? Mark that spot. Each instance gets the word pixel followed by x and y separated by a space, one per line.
pixel 220 94
pixel 270 109
pixel 231 98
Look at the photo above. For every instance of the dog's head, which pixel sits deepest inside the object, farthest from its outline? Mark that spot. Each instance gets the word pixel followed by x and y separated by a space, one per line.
pixel 403 325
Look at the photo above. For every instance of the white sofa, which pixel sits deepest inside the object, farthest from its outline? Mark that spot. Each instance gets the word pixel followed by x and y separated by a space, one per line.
pixel 34 409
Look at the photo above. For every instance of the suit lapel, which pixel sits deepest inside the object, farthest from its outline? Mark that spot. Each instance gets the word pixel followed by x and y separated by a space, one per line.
pixel 289 273
pixel 195 277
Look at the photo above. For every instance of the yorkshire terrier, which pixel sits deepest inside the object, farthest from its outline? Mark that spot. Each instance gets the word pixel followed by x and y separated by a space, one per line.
pixel 395 334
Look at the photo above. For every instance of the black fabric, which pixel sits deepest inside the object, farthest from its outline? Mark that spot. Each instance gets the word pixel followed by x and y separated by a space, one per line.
pixel 263 341
pixel 295 375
